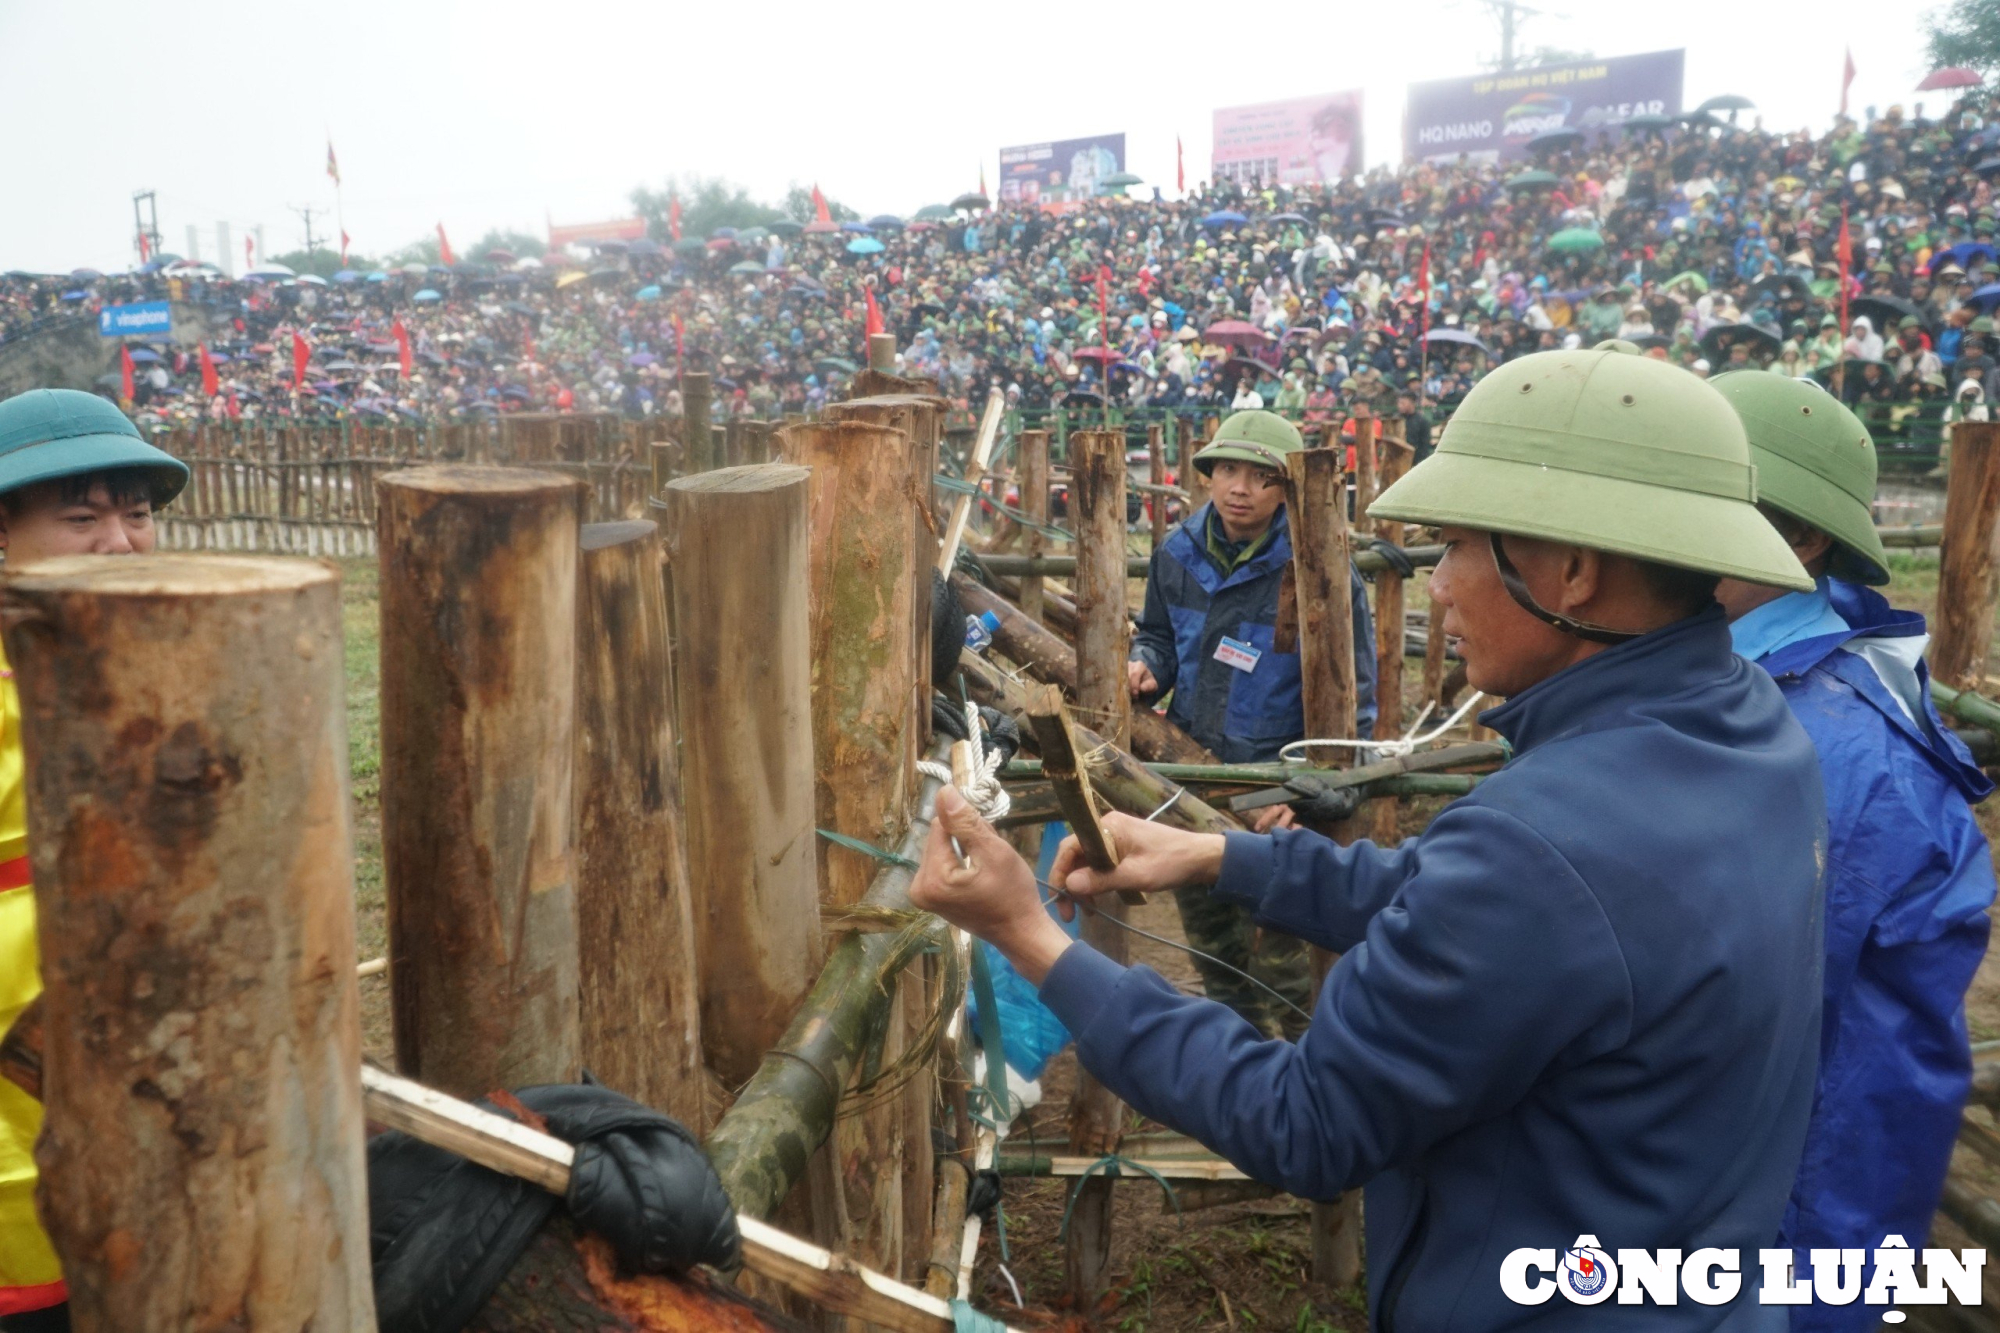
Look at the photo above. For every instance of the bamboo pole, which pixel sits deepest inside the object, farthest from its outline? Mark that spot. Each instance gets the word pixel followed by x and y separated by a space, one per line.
pixel 1390 633
pixel 862 667
pixel 640 1001
pixel 737 542
pixel 185 731
pixel 478 755
pixel 1963 627
pixel 697 437
pixel 1063 566
pixel 975 471
pixel 1318 505
pixel 1156 499
pixel 1097 511
pixel 1034 473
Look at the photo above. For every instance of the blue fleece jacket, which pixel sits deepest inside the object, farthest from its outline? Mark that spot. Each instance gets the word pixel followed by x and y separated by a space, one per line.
pixel 1585 1000
pixel 1909 879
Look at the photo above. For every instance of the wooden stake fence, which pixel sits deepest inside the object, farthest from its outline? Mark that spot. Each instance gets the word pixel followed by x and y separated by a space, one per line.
pixel 184 723
pixel 1963 628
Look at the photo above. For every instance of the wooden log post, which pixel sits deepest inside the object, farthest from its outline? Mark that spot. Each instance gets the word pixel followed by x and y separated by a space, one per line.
pixel 1320 556
pixel 640 1000
pixel 1034 474
pixel 1156 502
pixel 1097 511
pixel 1193 480
pixel 478 595
pixel 697 438
pixel 737 545
pixel 185 727
pixel 882 353
pixel 1963 627
pixel 1389 633
pixel 1365 487
pixel 862 665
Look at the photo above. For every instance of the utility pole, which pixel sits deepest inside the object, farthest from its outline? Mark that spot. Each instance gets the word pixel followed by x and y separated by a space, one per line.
pixel 306 213
pixel 146 219
pixel 1509 12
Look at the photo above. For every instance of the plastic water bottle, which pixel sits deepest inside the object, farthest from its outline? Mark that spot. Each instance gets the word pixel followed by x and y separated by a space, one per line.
pixel 979 631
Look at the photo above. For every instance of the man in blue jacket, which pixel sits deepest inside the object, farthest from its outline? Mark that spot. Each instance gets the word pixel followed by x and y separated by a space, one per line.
pixel 1585 1001
pixel 1221 632
pixel 1909 875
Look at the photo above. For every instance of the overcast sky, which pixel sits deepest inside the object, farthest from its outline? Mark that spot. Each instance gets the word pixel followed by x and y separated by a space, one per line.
pixel 504 114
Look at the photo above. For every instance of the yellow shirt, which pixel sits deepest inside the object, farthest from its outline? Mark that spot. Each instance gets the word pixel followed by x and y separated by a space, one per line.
pixel 30 1277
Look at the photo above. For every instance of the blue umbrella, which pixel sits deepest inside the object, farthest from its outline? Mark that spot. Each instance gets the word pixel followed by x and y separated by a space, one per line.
pixel 221 358
pixel 650 293
pixel 74 296
pixel 144 355
pixel 641 359
pixel 865 245
pixel 643 248
pixel 347 275
pixel 427 294
pixel 85 274
pixel 861 227
pixel 885 221
pixel 378 276
pixel 1225 218
pixel 1963 254
pixel 723 234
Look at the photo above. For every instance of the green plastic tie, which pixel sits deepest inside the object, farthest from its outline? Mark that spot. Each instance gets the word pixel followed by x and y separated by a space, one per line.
pixel 867 849
pixel 965 1319
pixel 1109 1164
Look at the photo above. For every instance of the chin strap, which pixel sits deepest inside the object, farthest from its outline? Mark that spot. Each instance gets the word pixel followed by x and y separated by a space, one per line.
pixel 1517 588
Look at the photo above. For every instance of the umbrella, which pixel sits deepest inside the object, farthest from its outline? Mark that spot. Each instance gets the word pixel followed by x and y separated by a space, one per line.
pixel 1886 311
pixel 747 266
pixel 1649 340
pixel 641 359
pixel 1574 240
pixel 1689 276
pixel 1551 141
pixel 721 243
pixel 1986 297
pixel 1104 354
pixel 885 222
pixel 1718 340
pixel 1531 180
pixel 1459 336
pixel 611 247
pixel 500 255
pixel 861 227
pixel 832 364
pixel 378 276
pixel 1235 332
pixel 88 274
pixel 1781 285
pixel 347 275
pixel 749 234
pixel 934 213
pixel 1299 218
pixel 1119 180
pixel 1963 254
pixel 1729 102
pixel 75 295
pixel 723 234
pixel 922 225
pixel 415 270
pixel 865 245
pixel 115 380
pixel 972 201
pixel 1987 165
pixel 817 228
pixel 427 294
pixel 1699 120
pixel 271 270
pixel 787 227
pixel 1951 76
pixel 312 279
pixel 643 248
pixel 342 364
pixel 604 275
pixel 144 355
pixel 1225 218
pixel 690 245
pixel 648 293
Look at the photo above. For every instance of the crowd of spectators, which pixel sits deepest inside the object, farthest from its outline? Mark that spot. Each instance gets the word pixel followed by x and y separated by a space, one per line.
pixel 1710 244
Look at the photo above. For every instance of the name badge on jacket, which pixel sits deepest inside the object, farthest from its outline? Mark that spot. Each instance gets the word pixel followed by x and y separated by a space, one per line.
pixel 1236 653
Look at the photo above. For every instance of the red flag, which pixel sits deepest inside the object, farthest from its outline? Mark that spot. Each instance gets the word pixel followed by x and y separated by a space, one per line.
pixel 528 344
pixel 1424 288
pixel 249 253
pixel 874 324
pixel 145 247
pixel 125 372
pixel 343 249
pixel 301 354
pixel 1180 165
pixel 1846 80
pixel 674 217
pixel 445 256
pixel 211 383
pixel 402 337
pixel 820 211
pixel 1844 245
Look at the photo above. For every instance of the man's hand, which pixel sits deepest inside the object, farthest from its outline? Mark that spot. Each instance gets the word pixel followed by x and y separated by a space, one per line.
pixel 1139 678
pixel 1151 858
pixel 996 899
pixel 1274 816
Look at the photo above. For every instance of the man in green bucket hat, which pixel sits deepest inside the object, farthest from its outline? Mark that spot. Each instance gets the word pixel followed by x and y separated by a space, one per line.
pixel 1580 1011
pixel 76 478
pixel 1909 875
pixel 1219 636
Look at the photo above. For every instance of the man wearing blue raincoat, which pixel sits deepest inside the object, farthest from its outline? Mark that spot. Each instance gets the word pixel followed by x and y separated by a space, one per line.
pixel 1909 876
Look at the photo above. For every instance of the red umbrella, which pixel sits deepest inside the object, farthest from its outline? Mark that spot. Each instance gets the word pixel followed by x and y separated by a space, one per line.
pixel 821 228
pixel 1104 354
pixel 1235 332
pixel 1951 76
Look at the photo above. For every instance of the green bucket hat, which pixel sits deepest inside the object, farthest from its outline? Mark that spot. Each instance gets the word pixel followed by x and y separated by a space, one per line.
pixel 1606 450
pixel 1263 438
pixel 47 434
pixel 1814 461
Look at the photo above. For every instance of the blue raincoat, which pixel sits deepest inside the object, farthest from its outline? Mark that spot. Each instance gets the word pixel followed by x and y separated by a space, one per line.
pixel 1242 715
pixel 1909 879
pixel 1585 1000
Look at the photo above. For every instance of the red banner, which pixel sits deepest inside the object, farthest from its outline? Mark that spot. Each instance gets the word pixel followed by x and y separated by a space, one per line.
pixel 617 229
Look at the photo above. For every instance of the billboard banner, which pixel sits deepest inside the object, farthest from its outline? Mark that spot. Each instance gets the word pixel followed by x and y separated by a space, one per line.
pixel 1060 172
pixel 1303 141
pixel 617 229
pixel 119 321
pixel 1491 117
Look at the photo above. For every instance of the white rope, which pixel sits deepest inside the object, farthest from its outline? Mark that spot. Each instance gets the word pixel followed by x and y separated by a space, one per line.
pixel 983 790
pixel 1396 746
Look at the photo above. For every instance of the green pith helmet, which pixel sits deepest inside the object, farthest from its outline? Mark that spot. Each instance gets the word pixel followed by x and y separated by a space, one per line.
pixel 1814 461
pixel 46 434
pixel 1263 438
pixel 1615 452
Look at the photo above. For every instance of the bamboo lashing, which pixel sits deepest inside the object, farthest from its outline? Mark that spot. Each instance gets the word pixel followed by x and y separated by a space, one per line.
pixel 975 472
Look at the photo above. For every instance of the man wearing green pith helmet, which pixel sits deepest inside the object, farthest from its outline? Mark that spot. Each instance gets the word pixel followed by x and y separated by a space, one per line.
pixel 1579 1012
